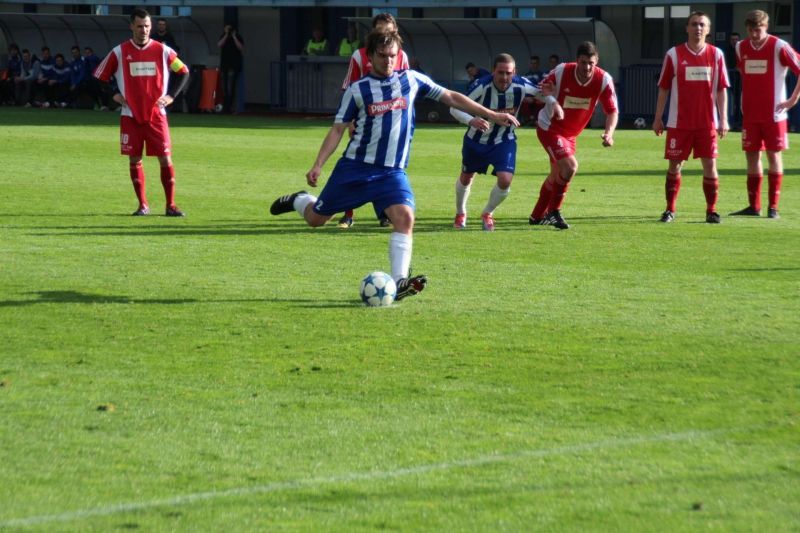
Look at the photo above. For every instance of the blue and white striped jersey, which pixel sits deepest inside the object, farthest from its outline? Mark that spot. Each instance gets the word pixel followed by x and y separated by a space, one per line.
pixel 483 91
pixel 383 109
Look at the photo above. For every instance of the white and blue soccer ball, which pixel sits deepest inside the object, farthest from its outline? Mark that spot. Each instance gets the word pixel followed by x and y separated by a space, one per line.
pixel 640 123
pixel 378 289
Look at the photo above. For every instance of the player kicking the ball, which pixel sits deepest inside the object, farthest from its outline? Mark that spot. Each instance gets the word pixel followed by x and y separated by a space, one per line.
pixel 372 168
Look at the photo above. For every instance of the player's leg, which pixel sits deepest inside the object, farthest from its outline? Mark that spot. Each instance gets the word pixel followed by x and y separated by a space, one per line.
pixel 711 189
pixel 539 214
pixel 677 149
pixel 752 145
pixel 463 188
pixel 775 178
pixel 567 168
pixel 132 145
pixel 497 195
pixel 159 144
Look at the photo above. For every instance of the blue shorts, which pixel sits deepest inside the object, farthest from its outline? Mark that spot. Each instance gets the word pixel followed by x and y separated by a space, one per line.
pixel 353 184
pixel 476 157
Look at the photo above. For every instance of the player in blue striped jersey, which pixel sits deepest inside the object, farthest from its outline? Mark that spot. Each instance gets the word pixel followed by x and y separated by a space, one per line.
pixel 372 167
pixel 486 144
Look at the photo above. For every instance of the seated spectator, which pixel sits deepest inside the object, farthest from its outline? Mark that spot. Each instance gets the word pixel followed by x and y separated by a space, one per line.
pixel 94 88
pixel 530 107
pixel 11 71
pixel 351 43
pixel 23 84
pixel 535 73
pixel 46 65
pixel 58 87
pixel 78 77
pixel 474 72
pixel 552 62
pixel 317 45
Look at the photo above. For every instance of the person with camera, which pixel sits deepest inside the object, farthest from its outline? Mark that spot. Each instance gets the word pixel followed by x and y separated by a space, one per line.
pixel 231 45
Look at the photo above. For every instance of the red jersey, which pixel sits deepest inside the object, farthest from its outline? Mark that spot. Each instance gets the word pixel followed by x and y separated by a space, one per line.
pixel 763 71
pixel 360 66
pixel 142 74
pixel 577 99
pixel 693 80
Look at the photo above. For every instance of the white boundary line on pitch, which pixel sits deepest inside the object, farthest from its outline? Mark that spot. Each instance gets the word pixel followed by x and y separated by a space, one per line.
pixel 185 499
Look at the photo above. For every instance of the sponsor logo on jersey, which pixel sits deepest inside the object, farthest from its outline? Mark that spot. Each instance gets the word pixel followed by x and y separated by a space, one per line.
pixel 380 108
pixel 755 66
pixel 573 102
pixel 142 68
pixel 698 73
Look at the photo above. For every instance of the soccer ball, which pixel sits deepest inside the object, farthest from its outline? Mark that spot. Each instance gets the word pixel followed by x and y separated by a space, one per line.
pixel 639 123
pixel 218 108
pixel 378 289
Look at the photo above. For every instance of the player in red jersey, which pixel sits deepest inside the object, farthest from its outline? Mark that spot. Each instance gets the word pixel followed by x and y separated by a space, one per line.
pixel 763 61
pixel 142 68
pixel 359 67
pixel 578 88
pixel 695 78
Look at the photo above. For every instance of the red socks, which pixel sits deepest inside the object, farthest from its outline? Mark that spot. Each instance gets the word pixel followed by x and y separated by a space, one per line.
pixel 544 199
pixel 774 193
pixel 711 190
pixel 137 178
pixel 560 188
pixel 168 181
pixel 754 190
pixel 671 188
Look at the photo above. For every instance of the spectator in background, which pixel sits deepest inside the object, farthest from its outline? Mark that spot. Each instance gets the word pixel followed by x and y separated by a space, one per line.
pixel 552 62
pixel 12 70
pixel 163 35
pixel 78 76
pixel 734 91
pixel 23 84
pixel 46 73
pixel 474 72
pixel 535 73
pixel 351 43
pixel 231 59
pixel 317 45
pixel 58 87
pixel 95 89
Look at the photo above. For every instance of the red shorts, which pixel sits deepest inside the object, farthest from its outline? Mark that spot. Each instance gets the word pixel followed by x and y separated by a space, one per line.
pixel 681 143
pixel 557 146
pixel 770 136
pixel 133 136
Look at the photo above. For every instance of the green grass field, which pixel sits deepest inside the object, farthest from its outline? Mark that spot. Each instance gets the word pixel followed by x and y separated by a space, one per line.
pixel 218 372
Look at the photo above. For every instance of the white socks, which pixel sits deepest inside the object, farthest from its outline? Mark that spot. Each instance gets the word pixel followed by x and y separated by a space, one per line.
pixel 399 254
pixel 462 194
pixel 496 198
pixel 302 201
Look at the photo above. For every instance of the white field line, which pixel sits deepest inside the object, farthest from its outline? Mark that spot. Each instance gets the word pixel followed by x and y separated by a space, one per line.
pixel 185 499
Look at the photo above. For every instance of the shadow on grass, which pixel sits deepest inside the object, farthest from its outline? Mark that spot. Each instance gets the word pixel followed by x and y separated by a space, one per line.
pixel 77 297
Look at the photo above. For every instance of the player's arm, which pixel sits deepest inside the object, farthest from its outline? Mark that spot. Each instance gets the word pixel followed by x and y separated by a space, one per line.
pixel 329 144
pixel 466 119
pixel 792 101
pixel 458 100
pixel 722 109
pixel 180 70
pixel 661 103
pixel 611 125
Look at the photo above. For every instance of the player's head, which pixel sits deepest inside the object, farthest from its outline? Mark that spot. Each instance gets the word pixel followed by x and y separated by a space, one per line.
pixel 382 50
pixel 140 26
pixel 698 25
pixel 384 21
pixel 503 69
pixel 586 59
pixel 757 24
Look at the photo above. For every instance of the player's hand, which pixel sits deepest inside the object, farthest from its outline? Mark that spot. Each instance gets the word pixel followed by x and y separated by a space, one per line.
pixel 658 126
pixel 118 98
pixel 313 175
pixel 723 129
pixel 164 101
pixel 548 89
pixel 608 139
pixel 504 119
pixel 786 105
pixel 479 124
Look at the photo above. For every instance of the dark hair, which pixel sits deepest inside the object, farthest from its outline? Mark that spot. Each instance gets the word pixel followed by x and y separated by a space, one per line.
pixel 160 19
pixel 503 58
pixel 469 65
pixel 88 48
pixel 45 48
pixel 75 47
pixel 554 56
pixel 380 39
pixel 60 55
pixel 139 13
pixel 587 48
pixel 386 18
pixel 26 51
pixel 12 47
pixel 535 57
